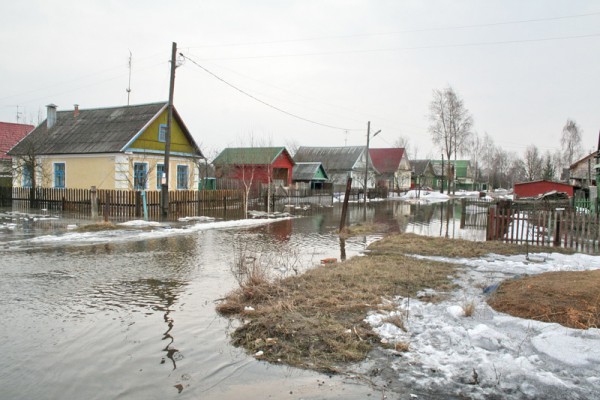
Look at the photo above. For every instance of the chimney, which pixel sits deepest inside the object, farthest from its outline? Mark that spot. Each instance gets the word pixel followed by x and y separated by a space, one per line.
pixel 51 115
pixel 75 111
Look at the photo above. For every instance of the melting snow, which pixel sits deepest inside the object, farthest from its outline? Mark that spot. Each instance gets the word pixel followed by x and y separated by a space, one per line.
pixel 491 354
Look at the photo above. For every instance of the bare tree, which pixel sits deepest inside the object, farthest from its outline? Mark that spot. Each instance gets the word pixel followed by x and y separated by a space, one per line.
pixel 27 165
pixel 533 163
pixel 476 147
pixel 292 146
pixel 516 171
pixel 450 124
pixel 570 141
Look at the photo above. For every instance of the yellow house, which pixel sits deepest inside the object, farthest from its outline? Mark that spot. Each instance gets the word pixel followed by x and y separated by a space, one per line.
pixel 119 148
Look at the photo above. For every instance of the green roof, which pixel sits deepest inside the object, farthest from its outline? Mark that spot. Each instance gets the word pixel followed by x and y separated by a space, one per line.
pixel 249 155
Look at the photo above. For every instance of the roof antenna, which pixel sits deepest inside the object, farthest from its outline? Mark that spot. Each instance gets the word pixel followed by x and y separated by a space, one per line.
pixel 128 90
pixel 18 114
pixel 346 138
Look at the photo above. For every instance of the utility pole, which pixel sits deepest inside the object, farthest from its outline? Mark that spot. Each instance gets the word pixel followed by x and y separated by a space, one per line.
pixel 367 158
pixel 165 184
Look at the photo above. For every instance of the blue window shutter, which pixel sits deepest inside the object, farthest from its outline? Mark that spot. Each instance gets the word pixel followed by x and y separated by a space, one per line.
pixel 59 175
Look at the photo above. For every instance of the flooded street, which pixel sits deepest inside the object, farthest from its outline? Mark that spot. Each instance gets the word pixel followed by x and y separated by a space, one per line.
pixel 131 313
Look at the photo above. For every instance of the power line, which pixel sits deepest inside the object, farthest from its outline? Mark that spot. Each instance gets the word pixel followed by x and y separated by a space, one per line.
pixel 391 49
pixel 417 30
pixel 264 102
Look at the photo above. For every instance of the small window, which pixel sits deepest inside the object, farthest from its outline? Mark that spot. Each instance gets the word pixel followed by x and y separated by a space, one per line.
pixel 182 177
pixel 162 133
pixel 140 176
pixel 59 175
pixel 27 176
pixel 160 170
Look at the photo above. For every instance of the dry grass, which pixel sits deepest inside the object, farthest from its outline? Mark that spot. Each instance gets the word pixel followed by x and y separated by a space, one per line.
pixel 397 320
pixel 409 243
pixel 363 229
pixel 316 319
pixel 468 308
pixel 100 226
pixel 402 347
pixel 569 298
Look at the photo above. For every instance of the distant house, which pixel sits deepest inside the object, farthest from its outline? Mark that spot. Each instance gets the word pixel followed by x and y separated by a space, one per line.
pixel 536 188
pixel 393 167
pixel 582 173
pixel 255 165
pixel 309 175
pixel 10 134
pixel 424 175
pixel 340 162
pixel 111 148
pixel 463 173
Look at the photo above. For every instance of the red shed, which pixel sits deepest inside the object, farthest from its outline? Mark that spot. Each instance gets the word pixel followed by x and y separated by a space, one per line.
pixel 255 165
pixel 536 188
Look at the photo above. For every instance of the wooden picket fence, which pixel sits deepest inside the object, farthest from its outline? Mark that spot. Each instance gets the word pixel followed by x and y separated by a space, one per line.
pixel 566 227
pixel 126 204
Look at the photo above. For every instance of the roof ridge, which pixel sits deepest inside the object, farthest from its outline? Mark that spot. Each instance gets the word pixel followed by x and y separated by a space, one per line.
pixel 115 107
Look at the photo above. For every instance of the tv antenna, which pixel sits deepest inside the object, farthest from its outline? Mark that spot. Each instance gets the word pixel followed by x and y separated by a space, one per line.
pixel 18 114
pixel 128 90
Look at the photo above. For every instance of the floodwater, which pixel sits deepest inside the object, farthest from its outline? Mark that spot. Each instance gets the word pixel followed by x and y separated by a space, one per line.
pixel 130 314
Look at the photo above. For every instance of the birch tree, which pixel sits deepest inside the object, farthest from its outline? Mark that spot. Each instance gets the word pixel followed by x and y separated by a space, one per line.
pixel 450 124
pixel 570 141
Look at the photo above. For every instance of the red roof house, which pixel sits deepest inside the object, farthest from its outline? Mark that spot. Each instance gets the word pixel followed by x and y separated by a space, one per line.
pixel 393 167
pixel 536 188
pixel 10 134
pixel 255 165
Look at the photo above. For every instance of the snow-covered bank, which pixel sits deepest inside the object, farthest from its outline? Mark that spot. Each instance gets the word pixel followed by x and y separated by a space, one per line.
pixel 133 230
pixel 493 355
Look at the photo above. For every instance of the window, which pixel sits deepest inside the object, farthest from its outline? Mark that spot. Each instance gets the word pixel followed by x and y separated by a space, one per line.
pixel 160 170
pixel 27 176
pixel 182 177
pixel 59 175
pixel 162 133
pixel 140 175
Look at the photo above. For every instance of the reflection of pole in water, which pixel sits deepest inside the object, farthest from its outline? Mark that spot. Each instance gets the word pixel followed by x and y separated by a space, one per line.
pixel 172 353
pixel 447 217
pixel 441 220
pixel 342 249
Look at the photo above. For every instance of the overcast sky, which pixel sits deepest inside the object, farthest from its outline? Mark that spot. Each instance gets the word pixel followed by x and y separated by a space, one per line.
pixel 522 67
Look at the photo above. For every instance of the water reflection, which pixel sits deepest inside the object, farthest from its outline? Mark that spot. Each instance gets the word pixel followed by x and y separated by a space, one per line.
pixel 444 220
pixel 144 308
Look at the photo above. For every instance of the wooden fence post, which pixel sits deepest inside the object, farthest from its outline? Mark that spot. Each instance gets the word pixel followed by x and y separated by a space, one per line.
pixel 557 230
pixel 94 201
pixel 138 204
pixel 106 206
